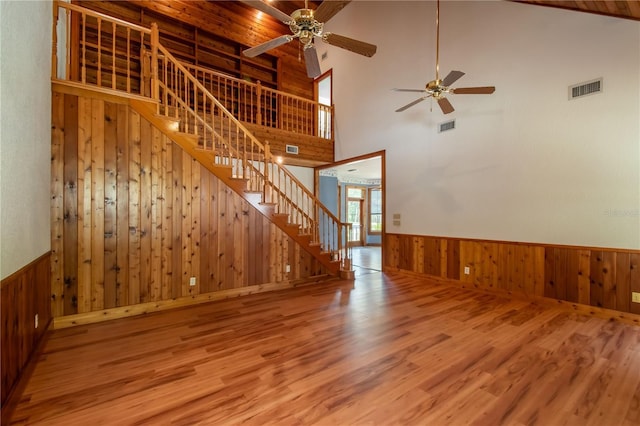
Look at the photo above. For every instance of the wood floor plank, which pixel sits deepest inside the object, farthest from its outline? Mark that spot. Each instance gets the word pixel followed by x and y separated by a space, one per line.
pixel 386 349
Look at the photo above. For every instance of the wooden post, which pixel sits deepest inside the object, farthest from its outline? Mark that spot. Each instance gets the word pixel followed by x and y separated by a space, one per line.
pixel 54 41
pixel 155 40
pixel 259 103
pixel 267 161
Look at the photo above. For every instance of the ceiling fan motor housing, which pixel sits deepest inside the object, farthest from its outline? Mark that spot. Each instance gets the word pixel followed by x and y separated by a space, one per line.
pixel 304 26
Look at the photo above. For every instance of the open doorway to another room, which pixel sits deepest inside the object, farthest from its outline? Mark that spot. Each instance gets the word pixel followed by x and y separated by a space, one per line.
pixel 353 190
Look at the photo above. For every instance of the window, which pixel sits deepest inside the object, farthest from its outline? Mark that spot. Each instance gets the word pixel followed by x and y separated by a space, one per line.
pixel 375 210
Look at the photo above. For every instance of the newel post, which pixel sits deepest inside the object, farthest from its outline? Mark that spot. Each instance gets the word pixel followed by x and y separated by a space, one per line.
pixel 259 103
pixel 155 40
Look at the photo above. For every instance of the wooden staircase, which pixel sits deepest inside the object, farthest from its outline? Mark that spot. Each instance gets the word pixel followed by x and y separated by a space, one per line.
pixel 192 144
pixel 169 96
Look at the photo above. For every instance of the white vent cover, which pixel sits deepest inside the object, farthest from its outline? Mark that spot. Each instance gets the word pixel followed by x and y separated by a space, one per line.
pixel 584 89
pixel 447 125
pixel 292 149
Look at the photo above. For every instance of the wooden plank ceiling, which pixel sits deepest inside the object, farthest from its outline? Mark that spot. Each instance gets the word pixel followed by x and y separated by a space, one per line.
pixel 627 9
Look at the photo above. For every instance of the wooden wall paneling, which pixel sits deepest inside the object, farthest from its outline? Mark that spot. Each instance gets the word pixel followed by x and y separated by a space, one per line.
pixel 572 286
pixel 609 279
pixel 122 206
pixel 432 256
pixel 167 222
pixel 634 279
pixel 252 247
pixel 597 287
pixel 538 271
pixel 491 269
pixel 134 208
pixel 419 254
pixel 24 294
pixel 186 224
pixel 196 169
pixel 155 290
pixel 71 204
pixel 227 254
pixel 549 272
pixel 453 259
pixel 479 266
pixel 97 204
pixel 85 186
pixel 443 250
pixel 245 259
pixel 110 204
pixel 177 221
pixel 146 135
pixel 57 204
pixel 238 235
pixel 214 234
pixel 623 281
pixel 204 273
pixel 584 285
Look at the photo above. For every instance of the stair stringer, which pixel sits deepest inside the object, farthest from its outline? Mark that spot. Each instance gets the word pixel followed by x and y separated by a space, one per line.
pixel 189 143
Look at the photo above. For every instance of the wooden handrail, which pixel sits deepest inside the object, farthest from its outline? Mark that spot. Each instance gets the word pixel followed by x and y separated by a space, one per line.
pixel 102 16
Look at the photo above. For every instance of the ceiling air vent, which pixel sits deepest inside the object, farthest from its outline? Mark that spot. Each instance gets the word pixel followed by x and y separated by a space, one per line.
pixel 447 125
pixel 292 149
pixel 584 89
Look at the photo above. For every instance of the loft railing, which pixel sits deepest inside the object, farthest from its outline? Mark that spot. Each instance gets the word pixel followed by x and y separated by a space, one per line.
pixel 256 104
pixel 110 53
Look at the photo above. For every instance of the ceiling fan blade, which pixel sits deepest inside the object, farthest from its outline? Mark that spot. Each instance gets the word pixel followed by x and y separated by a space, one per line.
pixel 451 78
pixel 269 10
pixel 474 90
pixel 311 61
pixel 409 90
pixel 328 9
pixel 353 45
pixel 445 105
pixel 409 105
pixel 268 45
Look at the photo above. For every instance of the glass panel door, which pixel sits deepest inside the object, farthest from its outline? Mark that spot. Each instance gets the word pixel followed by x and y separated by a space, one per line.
pixel 354 216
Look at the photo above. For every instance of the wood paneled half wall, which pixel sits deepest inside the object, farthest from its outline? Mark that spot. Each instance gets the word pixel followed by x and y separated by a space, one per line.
pixel 25 294
pixel 136 220
pixel 598 277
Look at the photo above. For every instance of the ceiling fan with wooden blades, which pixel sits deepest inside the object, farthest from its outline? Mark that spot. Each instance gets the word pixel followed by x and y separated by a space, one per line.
pixel 305 25
pixel 437 89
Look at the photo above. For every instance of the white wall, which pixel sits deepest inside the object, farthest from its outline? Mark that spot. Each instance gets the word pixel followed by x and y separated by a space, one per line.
pixel 524 164
pixel 25 132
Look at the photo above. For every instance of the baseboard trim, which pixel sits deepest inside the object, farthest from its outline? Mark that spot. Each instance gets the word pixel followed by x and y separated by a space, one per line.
pixel 587 310
pixel 163 305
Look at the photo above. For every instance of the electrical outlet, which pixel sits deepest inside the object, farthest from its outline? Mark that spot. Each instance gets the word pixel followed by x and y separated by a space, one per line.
pixel 467 270
pixel 192 281
pixel 635 297
pixel 36 321
pixel 288 268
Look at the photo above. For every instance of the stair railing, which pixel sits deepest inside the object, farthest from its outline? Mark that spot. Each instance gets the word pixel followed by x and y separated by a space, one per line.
pixel 257 104
pixel 200 114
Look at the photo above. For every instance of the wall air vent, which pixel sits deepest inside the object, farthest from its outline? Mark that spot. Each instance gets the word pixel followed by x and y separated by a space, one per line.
pixel 584 89
pixel 292 149
pixel 447 125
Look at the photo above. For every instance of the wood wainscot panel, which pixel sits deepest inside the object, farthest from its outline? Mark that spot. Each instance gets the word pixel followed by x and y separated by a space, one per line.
pixel 25 294
pixel 602 278
pixel 134 218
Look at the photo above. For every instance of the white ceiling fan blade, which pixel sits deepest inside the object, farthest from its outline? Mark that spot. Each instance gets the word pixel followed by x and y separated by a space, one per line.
pixel 445 105
pixel 328 9
pixel 351 44
pixel 268 45
pixel 451 78
pixel 269 10
pixel 311 61
pixel 409 105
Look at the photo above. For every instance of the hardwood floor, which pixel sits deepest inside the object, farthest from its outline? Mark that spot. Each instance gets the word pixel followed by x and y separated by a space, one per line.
pixel 389 349
pixel 366 260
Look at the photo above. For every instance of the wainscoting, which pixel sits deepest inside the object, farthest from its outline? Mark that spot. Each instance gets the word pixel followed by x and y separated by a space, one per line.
pixel 597 277
pixel 24 294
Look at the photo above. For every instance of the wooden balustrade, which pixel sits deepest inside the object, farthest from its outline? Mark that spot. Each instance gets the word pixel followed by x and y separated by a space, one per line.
pixel 253 103
pixel 100 50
